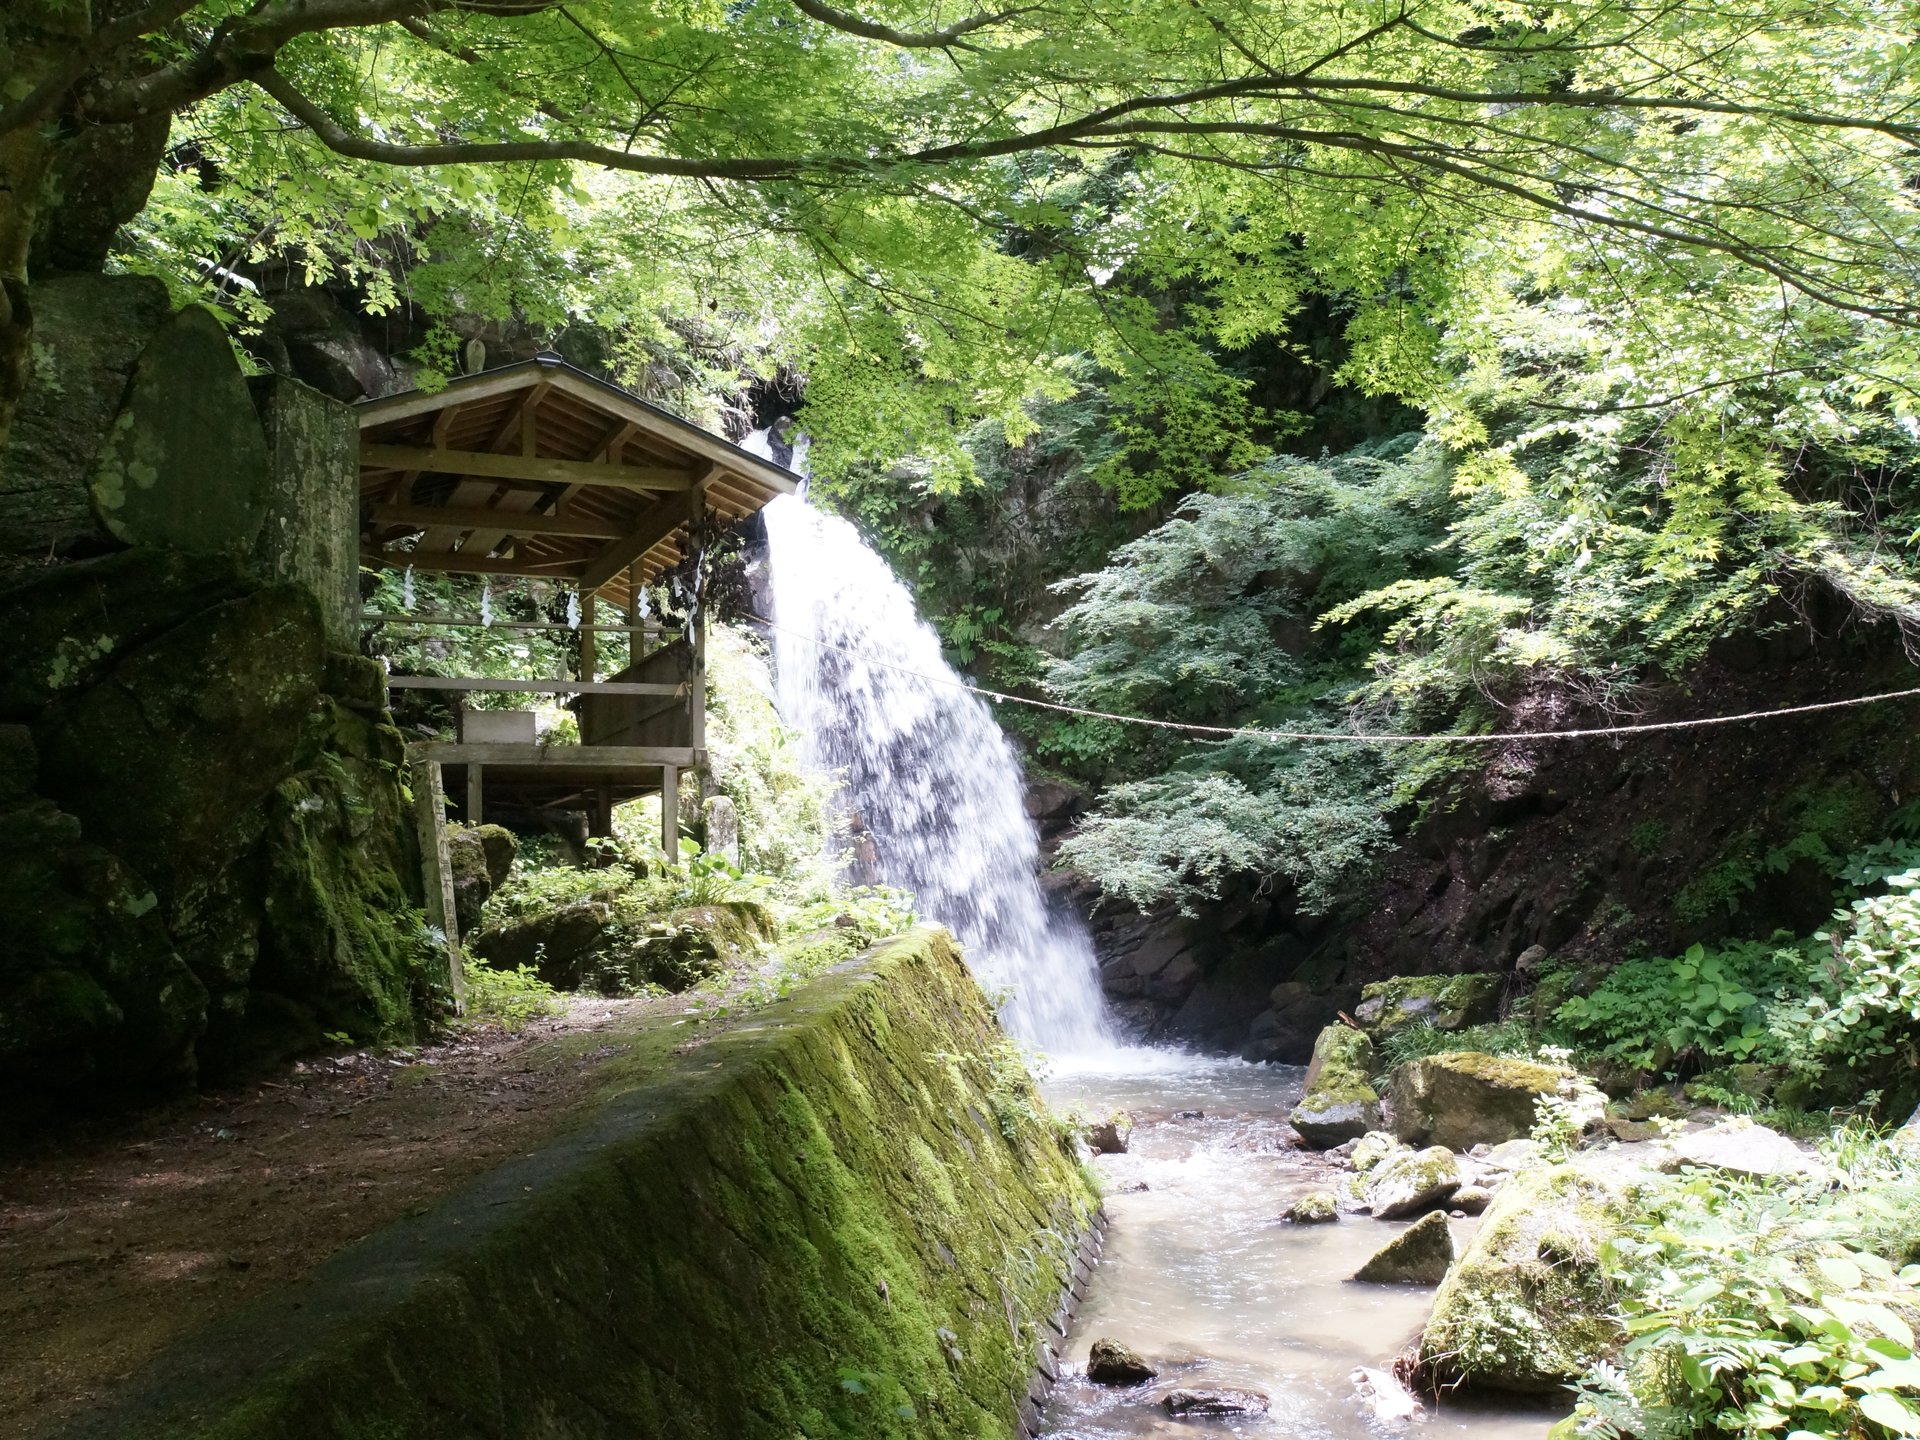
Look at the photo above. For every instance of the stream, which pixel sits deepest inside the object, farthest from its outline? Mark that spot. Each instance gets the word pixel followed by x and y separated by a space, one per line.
pixel 1203 1278
pixel 1200 1274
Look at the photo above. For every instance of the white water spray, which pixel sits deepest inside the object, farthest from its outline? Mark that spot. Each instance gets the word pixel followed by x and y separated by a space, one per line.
pixel 932 786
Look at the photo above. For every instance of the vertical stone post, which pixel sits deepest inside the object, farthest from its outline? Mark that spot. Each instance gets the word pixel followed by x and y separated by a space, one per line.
pixel 436 866
pixel 723 829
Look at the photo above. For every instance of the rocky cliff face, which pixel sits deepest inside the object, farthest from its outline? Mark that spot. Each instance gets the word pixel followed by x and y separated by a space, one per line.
pixel 209 860
pixel 1578 850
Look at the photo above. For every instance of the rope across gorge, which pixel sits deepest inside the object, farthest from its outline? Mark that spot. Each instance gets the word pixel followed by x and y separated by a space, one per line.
pixel 1351 737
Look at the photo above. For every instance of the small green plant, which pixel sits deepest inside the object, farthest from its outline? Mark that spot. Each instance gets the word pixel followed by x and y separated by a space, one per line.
pixel 1419 1040
pixel 510 999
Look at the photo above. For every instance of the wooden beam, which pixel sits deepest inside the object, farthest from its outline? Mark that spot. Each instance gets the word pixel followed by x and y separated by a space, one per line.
pixel 454 563
pixel 658 523
pixel 552 757
pixel 531 687
pixel 463 391
pixel 483 517
pixel 523 467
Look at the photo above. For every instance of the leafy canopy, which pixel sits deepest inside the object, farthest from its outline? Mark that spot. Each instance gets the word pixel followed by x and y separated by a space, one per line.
pixel 930 208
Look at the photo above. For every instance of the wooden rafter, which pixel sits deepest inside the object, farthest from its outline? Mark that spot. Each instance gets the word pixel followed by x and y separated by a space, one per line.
pixel 475 517
pixel 377 456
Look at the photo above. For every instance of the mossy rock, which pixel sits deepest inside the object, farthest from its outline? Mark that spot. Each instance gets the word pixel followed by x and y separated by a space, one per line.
pixel 562 944
pixel 482 858
pixel 1316 1207
pixel 1464 1098
pixel 1412 1182
pixel 1418 1255
pixel 1528 1307
pixel 1339 1102
pixel 1446 1002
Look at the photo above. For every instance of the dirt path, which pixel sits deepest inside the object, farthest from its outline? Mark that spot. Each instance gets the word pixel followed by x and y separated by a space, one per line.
pixel 117 1241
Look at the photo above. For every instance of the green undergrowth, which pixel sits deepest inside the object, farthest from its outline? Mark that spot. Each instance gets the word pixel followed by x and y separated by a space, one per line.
pixel 1760 1309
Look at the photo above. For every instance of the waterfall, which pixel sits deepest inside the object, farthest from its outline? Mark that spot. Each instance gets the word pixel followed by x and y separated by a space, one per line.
pixel 933 791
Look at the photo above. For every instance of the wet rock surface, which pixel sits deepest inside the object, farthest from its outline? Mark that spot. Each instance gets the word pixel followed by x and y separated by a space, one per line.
pixel 1111 1363
pixel 1215 1404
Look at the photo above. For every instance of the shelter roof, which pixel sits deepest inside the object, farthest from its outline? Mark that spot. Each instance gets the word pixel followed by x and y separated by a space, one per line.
pixel 539 469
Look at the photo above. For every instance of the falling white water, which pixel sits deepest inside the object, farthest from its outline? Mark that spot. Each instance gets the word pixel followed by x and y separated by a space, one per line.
pixel 932 788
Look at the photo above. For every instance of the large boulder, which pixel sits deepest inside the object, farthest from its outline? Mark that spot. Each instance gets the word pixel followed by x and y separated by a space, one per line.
pixel 593 944
pixel 482 858
pixel 1412 1181
pixel 1528 1306
pixel 1464 1098
pixel 1741 1147
pixel 1339 1102
pixel 561 945
pixel 1418 1255
pixel 1446 1002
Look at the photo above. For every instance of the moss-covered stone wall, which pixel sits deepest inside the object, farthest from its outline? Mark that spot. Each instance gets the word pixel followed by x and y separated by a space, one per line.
pixel 845 1216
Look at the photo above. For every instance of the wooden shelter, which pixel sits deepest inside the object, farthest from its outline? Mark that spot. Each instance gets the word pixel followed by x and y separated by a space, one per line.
pixel 538 470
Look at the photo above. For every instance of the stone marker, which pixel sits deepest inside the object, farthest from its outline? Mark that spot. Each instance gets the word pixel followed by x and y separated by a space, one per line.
pixel 723 829
pixel 1418 1255
pixel 185 463
pixel 1111 1363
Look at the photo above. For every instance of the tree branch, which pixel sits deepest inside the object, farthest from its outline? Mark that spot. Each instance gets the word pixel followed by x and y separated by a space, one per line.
pixel 906 39
pixel 40 103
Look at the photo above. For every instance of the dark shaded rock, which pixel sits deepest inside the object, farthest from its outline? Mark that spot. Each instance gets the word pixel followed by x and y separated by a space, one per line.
pixel 561 944
pixel 1284 1033
pixel 1110 1136
pixel 1214 1404
pixel 482 859
pixel 1464 1098
pixel 89 331
pixel 1471 1199
pixel 1339 1102
pixel 185 464
pixel 1111 1363
pixel 1418 1255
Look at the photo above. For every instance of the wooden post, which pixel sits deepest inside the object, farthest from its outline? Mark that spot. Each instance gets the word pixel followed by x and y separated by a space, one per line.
pixel 670 812
pixel 436 867
pixel 476 791
pixel 697 681
pixel 602 809
pixel 636 636
pixel 586 635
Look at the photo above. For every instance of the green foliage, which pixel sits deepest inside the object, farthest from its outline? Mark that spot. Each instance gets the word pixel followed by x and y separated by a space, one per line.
pixel 1648 1013
pixel 1759 1310
pixel 1865 1017
pixel 509 998
pixel 785 809
pixel 1208 619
